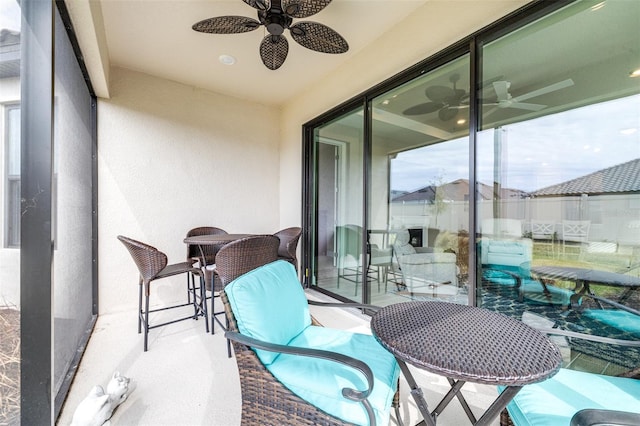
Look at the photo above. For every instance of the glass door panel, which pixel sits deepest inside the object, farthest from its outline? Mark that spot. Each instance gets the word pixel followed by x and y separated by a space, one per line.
pixel 418 188
pixel 338 249
pixel 558 156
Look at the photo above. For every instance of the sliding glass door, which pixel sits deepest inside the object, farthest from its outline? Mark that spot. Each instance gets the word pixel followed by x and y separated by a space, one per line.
pixel 338 249
pixel 418 187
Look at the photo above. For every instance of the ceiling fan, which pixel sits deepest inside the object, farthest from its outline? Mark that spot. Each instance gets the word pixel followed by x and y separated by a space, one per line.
pixel 505 100
pixel 446 100
pixel 277 16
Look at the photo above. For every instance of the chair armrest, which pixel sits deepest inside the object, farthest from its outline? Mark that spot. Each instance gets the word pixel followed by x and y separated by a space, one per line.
pixel 591 337
pixel 612 303
pixel 516 277
pixel 373 308
pixel 592 417
pixel 352 394
pixel 424 250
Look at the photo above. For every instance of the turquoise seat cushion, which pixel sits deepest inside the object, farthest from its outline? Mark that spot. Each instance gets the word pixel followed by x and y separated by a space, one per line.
pixel 328 378
pixel 555 400
pixel 622 320
pixel 534 292
pixel 270 305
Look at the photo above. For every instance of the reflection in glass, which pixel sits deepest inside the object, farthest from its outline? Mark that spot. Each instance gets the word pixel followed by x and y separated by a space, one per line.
pixel 419 188
pixel 339 258
pixel 558 158
pixel 10 191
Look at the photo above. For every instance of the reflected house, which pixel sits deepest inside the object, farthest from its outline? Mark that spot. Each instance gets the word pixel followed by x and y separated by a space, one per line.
pixel 609 199
pixel 445 206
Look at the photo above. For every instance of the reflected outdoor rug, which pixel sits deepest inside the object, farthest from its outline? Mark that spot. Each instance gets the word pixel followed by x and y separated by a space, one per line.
pixel 504 299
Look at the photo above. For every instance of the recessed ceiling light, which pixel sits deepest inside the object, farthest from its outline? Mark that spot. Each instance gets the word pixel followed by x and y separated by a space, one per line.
pixel 598 6
pixel 461 121
pixel 385 102
pixel 635 73
pixel 227 59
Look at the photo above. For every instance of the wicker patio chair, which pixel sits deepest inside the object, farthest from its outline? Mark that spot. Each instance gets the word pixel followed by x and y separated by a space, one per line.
pixel 152 265
pixel 289 244
pixel 265 400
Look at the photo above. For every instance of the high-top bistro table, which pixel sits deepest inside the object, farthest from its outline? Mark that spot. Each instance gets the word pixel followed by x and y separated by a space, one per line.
pixel 464 344
pixel 215 239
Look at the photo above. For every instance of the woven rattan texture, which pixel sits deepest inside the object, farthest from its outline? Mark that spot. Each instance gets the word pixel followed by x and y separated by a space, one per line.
pixel 244 255
pixel 152 263
pixel 466 343
pixel 289 238
pixel 304 8
pixel 265 401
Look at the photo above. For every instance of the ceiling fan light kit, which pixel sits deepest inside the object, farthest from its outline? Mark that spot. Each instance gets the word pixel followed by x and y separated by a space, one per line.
pixel 277 16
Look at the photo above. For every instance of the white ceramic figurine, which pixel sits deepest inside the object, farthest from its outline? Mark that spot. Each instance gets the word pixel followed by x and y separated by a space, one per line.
pixel 96 409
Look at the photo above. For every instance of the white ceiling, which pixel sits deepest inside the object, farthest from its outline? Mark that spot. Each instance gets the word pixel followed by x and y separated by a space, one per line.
pixel 155 37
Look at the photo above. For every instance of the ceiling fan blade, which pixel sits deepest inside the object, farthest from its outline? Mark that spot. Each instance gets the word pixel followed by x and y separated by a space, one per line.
pixel 447 113
pixel 273 51
pixel 318 37
pixel 259 4
pixel 527 106
pixel 439 93
pixel 303 8
pixel 502 89
pixel 226 25
pixel 425 108
pixel 548 89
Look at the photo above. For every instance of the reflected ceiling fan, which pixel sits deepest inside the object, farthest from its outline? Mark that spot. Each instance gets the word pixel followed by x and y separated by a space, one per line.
pixel 505 100
pixel 277 16
pixel 446 100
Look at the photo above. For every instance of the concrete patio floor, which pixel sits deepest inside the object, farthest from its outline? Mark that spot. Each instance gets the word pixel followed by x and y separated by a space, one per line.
pixel 186 377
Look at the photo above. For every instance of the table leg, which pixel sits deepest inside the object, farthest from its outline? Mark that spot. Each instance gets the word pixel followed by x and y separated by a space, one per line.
pixel 418 397
pixel 498 405
pixel 455 390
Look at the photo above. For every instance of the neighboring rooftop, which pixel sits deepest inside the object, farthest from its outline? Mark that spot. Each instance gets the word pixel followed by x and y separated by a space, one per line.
pixel 621 178
pixel 9 53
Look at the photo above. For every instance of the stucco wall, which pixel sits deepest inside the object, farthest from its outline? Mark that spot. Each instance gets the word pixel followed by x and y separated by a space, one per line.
pixel 171 158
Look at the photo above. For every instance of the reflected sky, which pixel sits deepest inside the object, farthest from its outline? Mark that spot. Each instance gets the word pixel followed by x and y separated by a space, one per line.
pixel 535 153
pixel 9 15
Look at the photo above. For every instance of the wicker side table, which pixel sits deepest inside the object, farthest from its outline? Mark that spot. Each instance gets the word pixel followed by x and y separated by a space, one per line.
pixel 464 344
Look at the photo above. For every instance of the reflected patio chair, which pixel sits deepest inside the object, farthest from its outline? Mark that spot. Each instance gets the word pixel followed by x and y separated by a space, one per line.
pixel 289 238
pixel 578 398
pixel 508 263
pixel 543 234
pixel 294 371
pixel 423 270
pixel 349 247
pixel 575 233
pixel 152 265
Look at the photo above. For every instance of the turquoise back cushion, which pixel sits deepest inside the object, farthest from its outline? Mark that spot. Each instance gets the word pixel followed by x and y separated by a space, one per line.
pixel 320 381
pixel 555 400
pixel 270 305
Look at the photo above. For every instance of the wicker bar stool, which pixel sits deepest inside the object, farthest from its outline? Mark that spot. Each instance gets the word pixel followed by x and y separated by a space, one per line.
pixel 152 265
pixel 289 238
pixel 240 257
